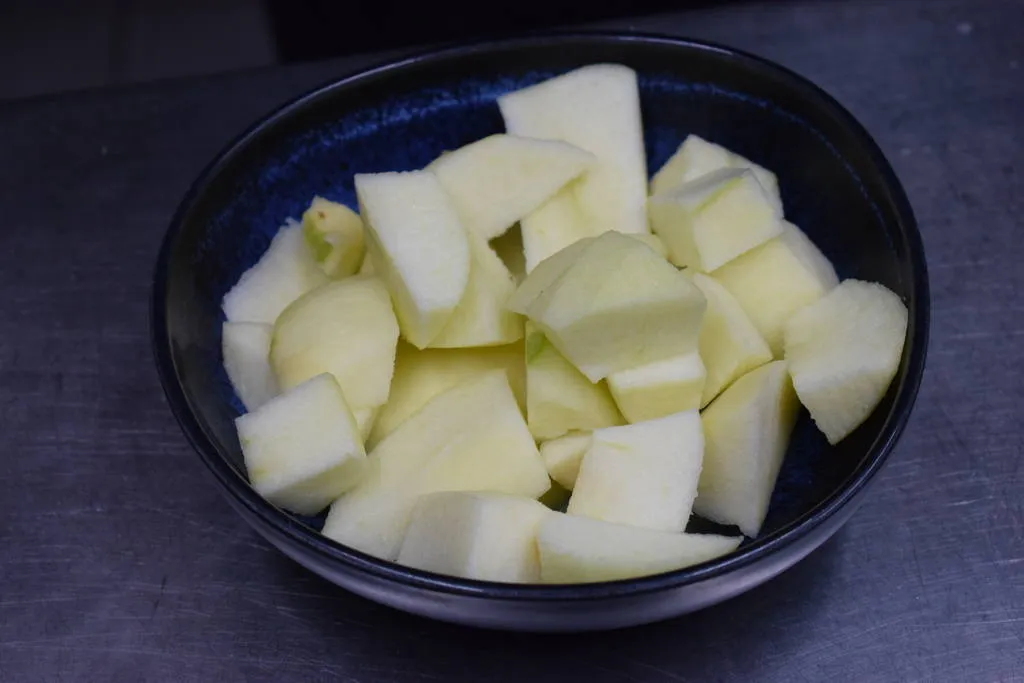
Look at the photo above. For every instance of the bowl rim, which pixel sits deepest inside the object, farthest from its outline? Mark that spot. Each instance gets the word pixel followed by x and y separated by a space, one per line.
pixel 754 552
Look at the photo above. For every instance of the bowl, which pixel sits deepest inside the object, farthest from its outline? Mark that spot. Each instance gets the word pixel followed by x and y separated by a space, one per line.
pixel 835 183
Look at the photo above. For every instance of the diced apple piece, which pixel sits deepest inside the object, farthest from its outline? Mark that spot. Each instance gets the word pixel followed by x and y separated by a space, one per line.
pixel 843 352
pixel 747 432
pixel 335 234
pixel 286 271
pixel 302 449
pixel 559 398
pixel 246 349
pixel 420 375
pixel 470 438
pixel 710 221
pixel 482 536
pixel 595 108
pixel 777 279
pixel 581 550
pixel 545 274
pixel 660 388
pixel 509 248
pixel 556 224
pixel 481 318
pixel 418 246
pixel 644 474
pixel 616 305
pixel 498 180
pixel 697 157
pixel 730 345
pixel 562 457
pixel 346 328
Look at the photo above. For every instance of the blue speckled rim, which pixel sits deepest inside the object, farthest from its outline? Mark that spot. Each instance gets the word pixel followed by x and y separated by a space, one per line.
pixel 757 550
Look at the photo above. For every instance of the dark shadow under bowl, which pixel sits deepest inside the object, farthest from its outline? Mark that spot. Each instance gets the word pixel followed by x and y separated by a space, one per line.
pixel 835 184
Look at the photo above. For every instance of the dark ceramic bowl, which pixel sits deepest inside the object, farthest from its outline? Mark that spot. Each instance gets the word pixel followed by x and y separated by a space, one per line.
pixel 835 183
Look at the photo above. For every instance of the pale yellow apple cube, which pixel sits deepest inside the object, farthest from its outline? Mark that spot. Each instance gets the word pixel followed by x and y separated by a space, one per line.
pixel 843 352
pixel 246 350
pixel 581 550
pixel 418 246
pixel 730 344
pixel 473 535
pixel 498 180
pixel 710 221
pixel 302 449
pixel 562 457
pixel 335 234
pixel 777 279
pixel 643 474
pixel 346 328
pixel 746 431
pixel 658 389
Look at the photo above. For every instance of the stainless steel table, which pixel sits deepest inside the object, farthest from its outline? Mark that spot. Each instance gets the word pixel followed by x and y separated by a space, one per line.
pixel 120 561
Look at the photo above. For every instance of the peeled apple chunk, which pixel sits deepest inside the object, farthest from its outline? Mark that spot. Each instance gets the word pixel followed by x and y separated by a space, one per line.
pixel 660 388
pixel 302 449
pixel 346 328
pixel 644 474
pixel 469 438
pixel 246 349
pixel 843 352
pixel 556 224
pixel 697 157
pixel 595 108
pixel 482 536
pixel 710 221
pixel 495 181
pixel 559 398
pixel 335 234
pixel 420 375
pixel 730 345
pixel 777 279
pixel 581 550
pixel 286 271
pixel 481 318
pixel 747 432
pixel 612 304
pixel 418 246
pixel 562 457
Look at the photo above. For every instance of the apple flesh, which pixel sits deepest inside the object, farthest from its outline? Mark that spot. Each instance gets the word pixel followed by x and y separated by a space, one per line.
pixel 346 328
pixel 334 232
pixel 481 318
pixel 420 375
pixel 562 457
pixel 730 344
pixel 418 246
pixel 473 535
pixel 498 180
pixel 710 221
pixel 246 350
pixel 777 279
pixel 302 449
pixel 658 389
pixel 286 271
pixel 614 305
pixel 559 399
pixel 697 157
pixel 595 108
pixel 644 474
pixel 843 352
pixel 581 550
pixel 469 438
pixel 747 432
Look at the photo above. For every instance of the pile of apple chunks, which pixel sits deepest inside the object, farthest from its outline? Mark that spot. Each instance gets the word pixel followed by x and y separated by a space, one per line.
pixel 444 386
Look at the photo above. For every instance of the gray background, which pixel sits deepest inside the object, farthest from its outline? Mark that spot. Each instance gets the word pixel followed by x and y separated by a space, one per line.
pixel 120 561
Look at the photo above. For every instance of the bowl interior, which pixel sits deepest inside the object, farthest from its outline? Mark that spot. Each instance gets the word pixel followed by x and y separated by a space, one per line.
pixel 401 118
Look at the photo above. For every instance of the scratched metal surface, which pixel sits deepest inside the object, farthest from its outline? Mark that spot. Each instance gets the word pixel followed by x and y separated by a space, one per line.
pixel 119 560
